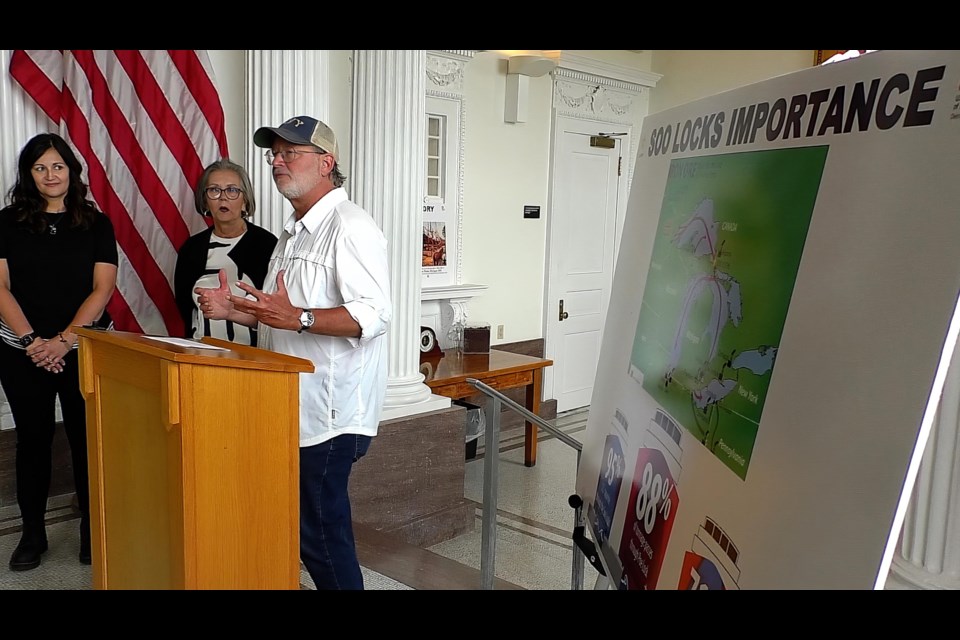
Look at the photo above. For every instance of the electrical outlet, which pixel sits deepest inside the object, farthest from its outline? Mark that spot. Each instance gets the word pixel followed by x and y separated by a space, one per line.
pixel 499 332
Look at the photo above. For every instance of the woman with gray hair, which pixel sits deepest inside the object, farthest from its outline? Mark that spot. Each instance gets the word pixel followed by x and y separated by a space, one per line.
pixel 223 194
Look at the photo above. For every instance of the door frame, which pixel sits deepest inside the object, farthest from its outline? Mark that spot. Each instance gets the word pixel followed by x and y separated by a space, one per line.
pixel 586 88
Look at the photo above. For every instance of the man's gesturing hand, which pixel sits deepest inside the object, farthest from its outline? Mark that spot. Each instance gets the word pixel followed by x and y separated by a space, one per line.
pixel 272 309
pixel 215 303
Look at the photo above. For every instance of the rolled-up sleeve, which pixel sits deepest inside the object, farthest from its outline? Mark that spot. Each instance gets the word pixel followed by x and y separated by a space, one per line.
pixel 363 280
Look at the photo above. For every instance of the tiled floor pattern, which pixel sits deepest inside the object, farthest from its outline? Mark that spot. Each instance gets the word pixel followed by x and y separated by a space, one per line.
pixel 60 568
pixel 534 520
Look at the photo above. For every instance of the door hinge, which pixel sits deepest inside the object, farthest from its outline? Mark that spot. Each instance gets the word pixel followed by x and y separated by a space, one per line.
pixel 619 166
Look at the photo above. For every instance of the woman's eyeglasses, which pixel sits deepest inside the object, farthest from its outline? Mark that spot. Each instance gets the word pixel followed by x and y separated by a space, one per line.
pixel 231 193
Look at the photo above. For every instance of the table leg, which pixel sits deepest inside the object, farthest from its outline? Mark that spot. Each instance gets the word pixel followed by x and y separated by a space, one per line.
pixel 534 391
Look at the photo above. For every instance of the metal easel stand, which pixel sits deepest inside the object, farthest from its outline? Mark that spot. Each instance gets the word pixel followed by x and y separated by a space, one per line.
pixel 491 470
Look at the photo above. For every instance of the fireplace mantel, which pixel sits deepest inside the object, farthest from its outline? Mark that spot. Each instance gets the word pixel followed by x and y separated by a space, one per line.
pixel 444 308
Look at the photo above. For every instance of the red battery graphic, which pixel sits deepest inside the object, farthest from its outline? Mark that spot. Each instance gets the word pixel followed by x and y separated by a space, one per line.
pixel 711 563
pixel 653 504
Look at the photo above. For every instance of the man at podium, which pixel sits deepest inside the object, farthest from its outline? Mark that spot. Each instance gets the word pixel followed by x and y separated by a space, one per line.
pixel 326 298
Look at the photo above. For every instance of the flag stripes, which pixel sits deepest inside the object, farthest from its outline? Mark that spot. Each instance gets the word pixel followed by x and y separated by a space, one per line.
pixel 44 88
pixel 145 124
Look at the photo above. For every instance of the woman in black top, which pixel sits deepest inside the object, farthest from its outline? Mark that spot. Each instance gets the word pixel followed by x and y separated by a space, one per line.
pixel 233 243
pixel 58 269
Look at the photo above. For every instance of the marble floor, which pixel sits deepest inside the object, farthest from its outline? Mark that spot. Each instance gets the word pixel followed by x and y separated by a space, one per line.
pixel 60 569
pixel 534 528
pixel 534 548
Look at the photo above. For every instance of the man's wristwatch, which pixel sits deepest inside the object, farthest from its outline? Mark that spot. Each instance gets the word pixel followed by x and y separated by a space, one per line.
pixel 306 320
pixel 27 340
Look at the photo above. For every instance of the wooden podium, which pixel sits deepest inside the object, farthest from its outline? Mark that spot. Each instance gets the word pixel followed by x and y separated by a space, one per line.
pixel 194 463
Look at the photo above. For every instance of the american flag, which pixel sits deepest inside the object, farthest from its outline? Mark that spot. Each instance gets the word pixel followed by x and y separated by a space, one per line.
pixel 144 124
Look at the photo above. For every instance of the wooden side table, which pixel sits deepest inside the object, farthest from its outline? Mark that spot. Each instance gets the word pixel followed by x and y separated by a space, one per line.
pixel 498 369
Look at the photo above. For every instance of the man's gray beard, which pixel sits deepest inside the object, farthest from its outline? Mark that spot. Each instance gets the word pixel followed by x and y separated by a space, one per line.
pixel 291 191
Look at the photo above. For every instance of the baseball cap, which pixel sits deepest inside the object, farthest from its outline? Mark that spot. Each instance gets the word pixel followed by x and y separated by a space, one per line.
pixel 300 130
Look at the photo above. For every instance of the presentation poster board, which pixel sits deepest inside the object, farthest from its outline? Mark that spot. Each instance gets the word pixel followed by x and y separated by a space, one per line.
pixel 782 317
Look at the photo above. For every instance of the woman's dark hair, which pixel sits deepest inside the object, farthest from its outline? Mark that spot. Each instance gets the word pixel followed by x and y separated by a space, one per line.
pixel 25 198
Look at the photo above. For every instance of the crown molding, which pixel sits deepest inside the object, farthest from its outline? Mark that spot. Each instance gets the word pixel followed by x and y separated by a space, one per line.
pixel 572 65
pixel 463 55
pixel 452 292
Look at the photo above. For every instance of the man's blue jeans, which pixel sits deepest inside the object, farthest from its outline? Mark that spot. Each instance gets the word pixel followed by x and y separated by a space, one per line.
pixel 326 528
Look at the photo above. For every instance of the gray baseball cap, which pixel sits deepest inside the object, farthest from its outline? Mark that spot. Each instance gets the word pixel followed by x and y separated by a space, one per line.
pixel 300 130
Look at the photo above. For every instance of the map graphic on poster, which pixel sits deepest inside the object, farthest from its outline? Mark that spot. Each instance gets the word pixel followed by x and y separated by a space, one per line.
pixel 725 259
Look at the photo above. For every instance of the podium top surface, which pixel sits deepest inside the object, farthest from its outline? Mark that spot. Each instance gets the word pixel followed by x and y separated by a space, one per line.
pixel 236 355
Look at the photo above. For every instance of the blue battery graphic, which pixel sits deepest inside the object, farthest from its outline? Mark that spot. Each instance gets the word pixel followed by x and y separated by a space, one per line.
pixel 610 480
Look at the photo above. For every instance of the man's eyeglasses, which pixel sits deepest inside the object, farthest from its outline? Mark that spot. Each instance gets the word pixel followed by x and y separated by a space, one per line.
pixel 288 155
pixel 231 193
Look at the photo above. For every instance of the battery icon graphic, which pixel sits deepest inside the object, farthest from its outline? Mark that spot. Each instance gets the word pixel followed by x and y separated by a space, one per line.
pixel 652 507
pixel 601 510
pixel 711 563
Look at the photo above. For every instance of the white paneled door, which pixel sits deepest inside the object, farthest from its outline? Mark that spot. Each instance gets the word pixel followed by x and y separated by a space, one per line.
pixel 587 204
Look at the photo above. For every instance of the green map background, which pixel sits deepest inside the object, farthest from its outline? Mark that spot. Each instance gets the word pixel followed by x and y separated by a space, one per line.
pixel 770 196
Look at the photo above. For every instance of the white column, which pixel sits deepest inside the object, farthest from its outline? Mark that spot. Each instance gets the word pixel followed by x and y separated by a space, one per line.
pixel 386 178
pixel 281 84
pixel 928 557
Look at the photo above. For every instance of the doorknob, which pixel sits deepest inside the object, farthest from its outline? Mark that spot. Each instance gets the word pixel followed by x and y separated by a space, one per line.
pixel 563 314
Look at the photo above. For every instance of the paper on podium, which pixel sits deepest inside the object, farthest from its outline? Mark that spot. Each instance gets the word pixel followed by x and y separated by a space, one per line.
pixel 182 342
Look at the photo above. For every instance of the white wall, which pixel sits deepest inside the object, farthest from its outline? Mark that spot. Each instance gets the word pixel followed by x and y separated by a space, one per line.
pixel 634 59
pixel 693 74
pixel 505 168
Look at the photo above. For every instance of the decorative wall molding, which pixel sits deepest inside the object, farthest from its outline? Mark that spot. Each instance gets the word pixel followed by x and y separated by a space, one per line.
pixel 595 90
pixel 445 74
pixel 445 69
pixel 465 291
pixel 613 75
pixel 593 101
pixel 459 54
pixel 444 309
pixel 461 105
pixel 461 154
pixel 453 317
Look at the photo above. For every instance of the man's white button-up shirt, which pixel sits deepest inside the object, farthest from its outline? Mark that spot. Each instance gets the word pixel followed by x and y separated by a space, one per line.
pixel 335 256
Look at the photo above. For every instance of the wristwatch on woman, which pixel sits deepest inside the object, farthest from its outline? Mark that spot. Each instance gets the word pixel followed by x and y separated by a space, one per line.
pixel 27 340
pixel 306 320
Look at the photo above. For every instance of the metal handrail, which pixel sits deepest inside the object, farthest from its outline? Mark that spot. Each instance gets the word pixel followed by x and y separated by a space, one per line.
pixel 491 464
